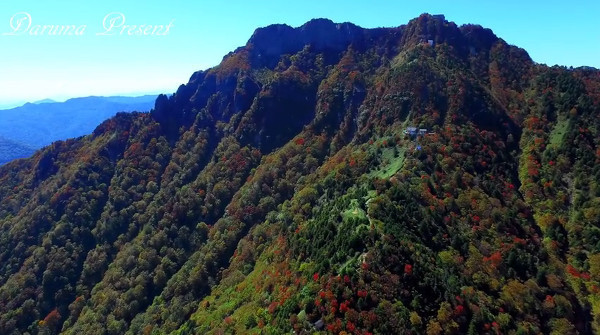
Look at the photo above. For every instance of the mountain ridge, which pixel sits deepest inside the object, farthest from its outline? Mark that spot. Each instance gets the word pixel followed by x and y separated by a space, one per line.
pixel 278 192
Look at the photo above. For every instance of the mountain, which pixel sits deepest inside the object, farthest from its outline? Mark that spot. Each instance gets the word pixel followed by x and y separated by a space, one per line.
pixel 284 191
pixel 44 101
pixel 10 150
pixel 41 123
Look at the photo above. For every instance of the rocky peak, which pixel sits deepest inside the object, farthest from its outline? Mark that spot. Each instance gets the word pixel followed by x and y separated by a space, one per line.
pixel 321 34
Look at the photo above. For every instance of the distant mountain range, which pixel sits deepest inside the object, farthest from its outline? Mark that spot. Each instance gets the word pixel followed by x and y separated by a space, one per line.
pixel 44 101
pixel 35 125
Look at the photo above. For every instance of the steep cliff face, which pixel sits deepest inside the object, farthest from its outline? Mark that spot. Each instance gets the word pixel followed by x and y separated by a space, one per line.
pixel 283 191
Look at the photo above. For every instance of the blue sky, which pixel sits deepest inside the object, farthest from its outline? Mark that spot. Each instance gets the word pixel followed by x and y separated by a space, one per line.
pixel 202 32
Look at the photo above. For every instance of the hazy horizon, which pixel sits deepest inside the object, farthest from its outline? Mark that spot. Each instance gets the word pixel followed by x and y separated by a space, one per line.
pixel 9 105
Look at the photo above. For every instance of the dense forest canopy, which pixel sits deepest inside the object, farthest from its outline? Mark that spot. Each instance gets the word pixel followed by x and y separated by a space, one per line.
pixel 280 192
